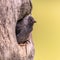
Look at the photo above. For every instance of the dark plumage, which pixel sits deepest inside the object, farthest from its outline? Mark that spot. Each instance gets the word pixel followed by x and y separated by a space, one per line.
pixel 23 28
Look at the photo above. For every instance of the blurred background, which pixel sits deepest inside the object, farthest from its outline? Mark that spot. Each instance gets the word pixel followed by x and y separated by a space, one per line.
pixel 46 33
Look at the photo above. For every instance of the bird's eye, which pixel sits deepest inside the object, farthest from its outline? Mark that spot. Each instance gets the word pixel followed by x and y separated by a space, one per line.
pixel 30 19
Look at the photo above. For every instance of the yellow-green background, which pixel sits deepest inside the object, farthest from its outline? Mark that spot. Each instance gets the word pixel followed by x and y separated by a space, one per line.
pixel 46 33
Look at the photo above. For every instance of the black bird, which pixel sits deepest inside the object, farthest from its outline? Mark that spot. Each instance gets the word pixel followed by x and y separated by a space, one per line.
pixel 23 28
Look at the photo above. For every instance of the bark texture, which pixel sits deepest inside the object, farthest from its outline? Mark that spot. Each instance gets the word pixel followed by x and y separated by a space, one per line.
pixel 10 12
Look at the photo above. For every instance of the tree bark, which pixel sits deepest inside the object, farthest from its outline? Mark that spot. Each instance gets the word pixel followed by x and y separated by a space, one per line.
pixel 10 12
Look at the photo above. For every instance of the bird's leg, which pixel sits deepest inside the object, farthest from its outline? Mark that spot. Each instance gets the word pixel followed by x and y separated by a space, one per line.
pixel 24 43
pixel 27 41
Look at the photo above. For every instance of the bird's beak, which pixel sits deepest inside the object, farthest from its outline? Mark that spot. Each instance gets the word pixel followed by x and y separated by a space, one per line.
pixel 34 21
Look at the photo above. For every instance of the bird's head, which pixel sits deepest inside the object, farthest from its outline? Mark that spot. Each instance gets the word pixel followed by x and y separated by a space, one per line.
pixel 31 21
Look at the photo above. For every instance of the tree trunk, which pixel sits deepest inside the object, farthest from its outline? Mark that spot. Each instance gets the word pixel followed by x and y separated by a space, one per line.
pixel 10 12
